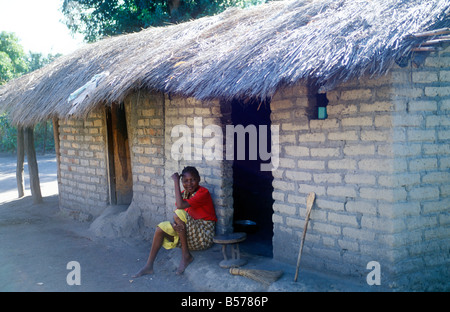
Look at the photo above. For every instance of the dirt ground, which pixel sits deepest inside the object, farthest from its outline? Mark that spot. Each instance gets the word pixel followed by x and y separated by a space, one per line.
pixel 37 242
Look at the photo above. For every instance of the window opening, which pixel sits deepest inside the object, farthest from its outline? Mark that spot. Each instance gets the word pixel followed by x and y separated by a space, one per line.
pixel 321 106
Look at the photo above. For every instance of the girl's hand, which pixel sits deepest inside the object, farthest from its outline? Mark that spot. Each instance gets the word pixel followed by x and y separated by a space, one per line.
pixel 175 177
pixel 179 228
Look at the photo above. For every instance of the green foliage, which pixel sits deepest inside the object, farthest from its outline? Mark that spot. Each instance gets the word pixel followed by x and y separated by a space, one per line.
pixel 43 136
pixel 8 135
pixel 13 60
pixel 96 19
pixel 37 60
pixel 13 63
pixel 12 57
pixel 6 67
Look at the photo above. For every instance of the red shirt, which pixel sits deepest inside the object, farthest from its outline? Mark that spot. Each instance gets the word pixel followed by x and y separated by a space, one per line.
pixel 202 206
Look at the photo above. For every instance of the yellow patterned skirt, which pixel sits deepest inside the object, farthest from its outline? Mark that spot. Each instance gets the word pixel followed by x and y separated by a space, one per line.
pixel 199 232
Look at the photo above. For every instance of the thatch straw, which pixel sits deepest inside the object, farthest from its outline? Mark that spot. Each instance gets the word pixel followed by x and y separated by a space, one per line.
pixel 239 53
pixel 265 277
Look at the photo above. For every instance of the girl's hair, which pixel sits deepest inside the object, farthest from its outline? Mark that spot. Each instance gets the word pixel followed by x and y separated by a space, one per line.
pixel 191 170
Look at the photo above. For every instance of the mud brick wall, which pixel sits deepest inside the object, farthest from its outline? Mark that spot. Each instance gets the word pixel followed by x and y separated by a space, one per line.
pixel 421 238
pixel 379 165
pixel 216 175
pixel 340 159
pixel 83 168
pixel 145 123
pixel 151 117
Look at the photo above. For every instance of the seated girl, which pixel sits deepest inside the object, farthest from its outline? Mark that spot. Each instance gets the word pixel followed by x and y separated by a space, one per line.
pixel 194 222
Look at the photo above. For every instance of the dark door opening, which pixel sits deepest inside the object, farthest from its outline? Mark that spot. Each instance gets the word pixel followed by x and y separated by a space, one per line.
pixel 121 179
pixel 252 187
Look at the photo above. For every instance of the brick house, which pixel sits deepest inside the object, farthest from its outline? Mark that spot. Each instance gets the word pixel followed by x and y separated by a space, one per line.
pixel 366 128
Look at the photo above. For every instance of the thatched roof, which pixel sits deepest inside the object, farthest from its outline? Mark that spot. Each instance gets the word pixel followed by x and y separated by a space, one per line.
pixel 239 53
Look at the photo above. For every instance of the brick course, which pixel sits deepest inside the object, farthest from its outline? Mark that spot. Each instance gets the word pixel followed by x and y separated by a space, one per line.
pixel 378 163
pixel 83 174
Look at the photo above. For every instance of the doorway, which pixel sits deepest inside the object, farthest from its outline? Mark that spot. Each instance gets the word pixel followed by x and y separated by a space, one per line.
pixel 252 187
pixel 120 176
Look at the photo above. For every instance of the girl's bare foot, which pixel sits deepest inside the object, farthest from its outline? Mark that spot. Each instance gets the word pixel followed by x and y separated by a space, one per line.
pixel 144 271
pixel 184 264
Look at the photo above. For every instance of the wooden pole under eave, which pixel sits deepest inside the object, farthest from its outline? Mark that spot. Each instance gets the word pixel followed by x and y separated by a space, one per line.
pixel 32 166
pixel 57 148
pixel 20 160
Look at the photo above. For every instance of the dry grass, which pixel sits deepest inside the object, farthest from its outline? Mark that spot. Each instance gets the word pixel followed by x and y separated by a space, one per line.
pixel 239 53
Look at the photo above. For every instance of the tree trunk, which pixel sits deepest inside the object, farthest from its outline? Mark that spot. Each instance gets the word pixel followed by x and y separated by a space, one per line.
pixel 173 6
pixel 20 159
pixel 32 166
pixel 57 148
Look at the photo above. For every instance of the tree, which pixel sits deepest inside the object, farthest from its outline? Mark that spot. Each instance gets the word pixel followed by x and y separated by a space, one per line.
pixel 12 57
pixel 13 63
pixel 96 19
pixel 38 60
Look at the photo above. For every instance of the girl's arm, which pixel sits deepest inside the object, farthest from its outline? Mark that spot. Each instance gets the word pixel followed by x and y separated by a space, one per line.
pixel 180 203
